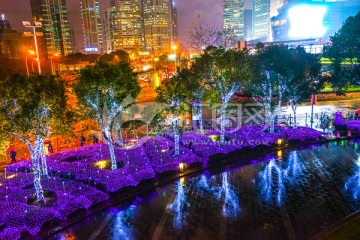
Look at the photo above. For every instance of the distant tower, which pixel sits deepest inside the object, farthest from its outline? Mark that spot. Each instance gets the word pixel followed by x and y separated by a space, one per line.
pixel 263 11
pixel 107 32
pixel 127 26
pixel 92 27
pixel 174 22
pixel 234 18
pixel 261 19
pixel 158 18
pixel 53 15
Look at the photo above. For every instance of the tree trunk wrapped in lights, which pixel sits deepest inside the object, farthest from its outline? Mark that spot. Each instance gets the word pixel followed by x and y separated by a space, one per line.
pixel 176 130
pixel 28 111
pixel 226 94
pixel 35 153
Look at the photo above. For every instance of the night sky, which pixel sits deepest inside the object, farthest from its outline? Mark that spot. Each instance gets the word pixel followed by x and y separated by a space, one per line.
pixel 210 11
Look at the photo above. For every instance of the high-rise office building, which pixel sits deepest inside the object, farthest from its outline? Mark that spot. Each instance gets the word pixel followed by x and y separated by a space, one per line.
pixel 234 18
pixel 248 24
pixel 127 25
pixel 107 32
pixel 261 19
pixel 158 25
pixel 174 22
pixel 53 15
pixel 90 13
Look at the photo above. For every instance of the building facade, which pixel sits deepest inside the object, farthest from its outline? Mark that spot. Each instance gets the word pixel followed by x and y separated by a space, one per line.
pixel 53 15
pixel 92 27
pixel 127 31
pixel 107 32
pixel 261 19
pixel 158 21
pixel 234 18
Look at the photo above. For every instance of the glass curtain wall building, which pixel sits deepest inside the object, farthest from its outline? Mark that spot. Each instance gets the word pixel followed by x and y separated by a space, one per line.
pixel 92 27
pixel 126 25
pixel 54 17
pixel 234 18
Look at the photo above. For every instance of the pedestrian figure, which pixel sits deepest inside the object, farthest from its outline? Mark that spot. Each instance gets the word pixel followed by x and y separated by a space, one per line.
pixel 50 148
pixel 13 156
pixel 82 141
pixel 190 144
pixel 95 139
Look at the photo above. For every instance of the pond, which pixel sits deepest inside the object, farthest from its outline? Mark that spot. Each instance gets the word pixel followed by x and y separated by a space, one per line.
pixel 291 195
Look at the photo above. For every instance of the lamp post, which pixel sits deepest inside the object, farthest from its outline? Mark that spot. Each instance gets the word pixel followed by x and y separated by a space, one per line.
pixel 312 110
pixel 36 25
pixel 173 47
pixel 30 52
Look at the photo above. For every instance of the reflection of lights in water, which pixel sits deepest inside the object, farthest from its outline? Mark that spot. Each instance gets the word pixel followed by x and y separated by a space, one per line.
pixel 273 177
pixel 231 206
pixel 203 183
pixel 267 184
pixel 353 183
pixel 122 229
pixel 177 207
pixel 294 168
pixel 182 180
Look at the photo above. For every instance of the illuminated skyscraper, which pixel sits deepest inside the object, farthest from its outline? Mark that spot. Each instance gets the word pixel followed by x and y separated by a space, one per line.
pixel 53 15
pixel 107 32
pixel 126 25
pixel 234 18
pixel 263 11
pixel 159 29
pixel 90 13
pixel 261 19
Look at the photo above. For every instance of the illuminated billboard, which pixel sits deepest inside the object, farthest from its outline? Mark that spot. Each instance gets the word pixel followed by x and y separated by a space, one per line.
pixel 306 21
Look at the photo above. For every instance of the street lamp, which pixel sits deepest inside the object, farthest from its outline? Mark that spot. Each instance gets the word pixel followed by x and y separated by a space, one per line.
pixel 173 47
pixel 36 25
pixel 30 52
pixel 51 61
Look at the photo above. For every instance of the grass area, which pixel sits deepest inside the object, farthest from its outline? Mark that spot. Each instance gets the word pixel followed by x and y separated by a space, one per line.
pixel 352 88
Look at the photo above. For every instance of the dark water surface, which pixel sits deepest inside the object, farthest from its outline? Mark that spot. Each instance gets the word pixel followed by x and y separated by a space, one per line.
pixel 290 195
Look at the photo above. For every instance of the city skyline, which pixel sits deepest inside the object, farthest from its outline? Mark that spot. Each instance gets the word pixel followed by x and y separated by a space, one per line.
pixel 187 12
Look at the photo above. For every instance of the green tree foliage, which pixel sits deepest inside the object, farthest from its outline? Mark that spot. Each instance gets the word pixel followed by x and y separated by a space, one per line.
pixel 273 73
pixel 104 92
pixel 31 109
pixel 227 71
pixel 344 48
pixel 115 57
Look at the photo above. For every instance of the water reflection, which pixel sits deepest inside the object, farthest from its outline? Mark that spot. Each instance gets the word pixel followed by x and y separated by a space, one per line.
pixel 231 207
pixel 178 207
pixel 273 178
pixel 270 182
pixel 225 193
pixel 122 227
pixel 353 183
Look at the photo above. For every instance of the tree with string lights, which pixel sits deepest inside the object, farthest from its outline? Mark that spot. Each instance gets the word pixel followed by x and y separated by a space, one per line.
pixel 33 108
pixel 104 91
pixel 173 94
pixel 272 76
pixel 227 72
